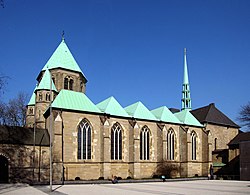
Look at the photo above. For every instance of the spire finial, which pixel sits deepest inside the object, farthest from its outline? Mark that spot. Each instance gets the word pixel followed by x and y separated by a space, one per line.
pixel 63 36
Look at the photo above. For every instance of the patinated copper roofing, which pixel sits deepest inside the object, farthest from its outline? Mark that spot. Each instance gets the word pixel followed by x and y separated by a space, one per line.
pixel 112 107
pixel 210 114
pixel 187 118
pixel 45 82
pixel 62 58
pixel 165 115
pixel 139 111
pixel 72 100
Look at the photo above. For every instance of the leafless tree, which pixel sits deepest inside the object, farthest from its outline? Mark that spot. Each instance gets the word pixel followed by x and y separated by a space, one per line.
pixel 244 115
pixel 14 112
pixel 3 82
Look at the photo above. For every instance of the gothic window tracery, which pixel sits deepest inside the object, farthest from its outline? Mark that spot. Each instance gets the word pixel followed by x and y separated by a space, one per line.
pixel 116 142
pixel 84 140
pixel 170 144
pixel 144 143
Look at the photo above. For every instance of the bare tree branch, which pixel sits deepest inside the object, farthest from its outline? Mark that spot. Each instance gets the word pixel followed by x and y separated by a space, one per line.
pixel 244 115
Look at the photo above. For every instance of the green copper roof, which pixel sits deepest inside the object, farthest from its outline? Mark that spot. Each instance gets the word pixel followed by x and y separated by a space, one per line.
pixel 62 58
pixel 165 115
pixel 187 118
pixel 111 106
pixel 72 100
pixel 138 110
pixel 32 99
pixel 45 82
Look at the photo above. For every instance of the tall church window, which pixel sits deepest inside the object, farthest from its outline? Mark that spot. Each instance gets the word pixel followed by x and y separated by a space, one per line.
pixel 66 83
pixel 84 140
pixel 116 142
pixel 144 143
pixel 170 145
pixel 194 145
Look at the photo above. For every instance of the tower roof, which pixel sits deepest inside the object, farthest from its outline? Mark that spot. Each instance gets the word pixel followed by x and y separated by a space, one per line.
pixel 187 118
pixel 111 106
pixel 211 114
pixel 138 110
pixel 45 82
pixel 165 115
pixel 62 58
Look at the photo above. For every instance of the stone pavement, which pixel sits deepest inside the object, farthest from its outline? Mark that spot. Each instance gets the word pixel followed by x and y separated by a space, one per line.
pixel 200 187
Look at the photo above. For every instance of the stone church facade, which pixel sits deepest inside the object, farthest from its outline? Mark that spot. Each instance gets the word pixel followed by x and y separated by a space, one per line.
pixel 93 141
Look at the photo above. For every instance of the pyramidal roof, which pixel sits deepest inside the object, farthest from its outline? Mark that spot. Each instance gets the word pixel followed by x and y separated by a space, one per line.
pixel 45 82
pixel 165 115
pixel 32 99
pixel 111 106
pixel 73 100
pixel 62 58
pixel 210 114
pixel 138 110
pixel 187 118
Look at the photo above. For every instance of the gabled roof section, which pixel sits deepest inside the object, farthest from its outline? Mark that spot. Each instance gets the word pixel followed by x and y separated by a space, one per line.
pixel 187 118
pixel 62 58
pixel 112 107
pixel 32 101
pixel 72 100
pixel 139 111
pixel 165 115
pixel 45 82
pixel 210 114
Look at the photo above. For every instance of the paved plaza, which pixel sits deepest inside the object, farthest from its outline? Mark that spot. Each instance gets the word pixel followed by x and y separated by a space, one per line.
pixel 173 188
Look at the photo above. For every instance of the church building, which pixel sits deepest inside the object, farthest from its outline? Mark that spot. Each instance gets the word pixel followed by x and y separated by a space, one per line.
pixel 98 141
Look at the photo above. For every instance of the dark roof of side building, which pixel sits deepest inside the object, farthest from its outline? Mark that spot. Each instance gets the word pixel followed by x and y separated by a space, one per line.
pixel 211 114
pixel 241 137
pixel 23 136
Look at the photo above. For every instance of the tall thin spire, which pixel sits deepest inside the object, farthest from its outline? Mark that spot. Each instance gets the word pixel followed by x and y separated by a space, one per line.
pixel 186 98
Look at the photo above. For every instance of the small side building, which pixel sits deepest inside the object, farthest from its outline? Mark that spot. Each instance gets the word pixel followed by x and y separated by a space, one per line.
pixel 239 149
pixel 20 159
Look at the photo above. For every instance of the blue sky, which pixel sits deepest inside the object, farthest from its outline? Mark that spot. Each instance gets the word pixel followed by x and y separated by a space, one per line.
pixel 133 49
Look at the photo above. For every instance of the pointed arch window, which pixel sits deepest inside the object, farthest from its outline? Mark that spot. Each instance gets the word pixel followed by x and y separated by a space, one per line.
pixel 194 145
pixel 144 143
pixel 84 140
pixel 170 144
pixel 116 142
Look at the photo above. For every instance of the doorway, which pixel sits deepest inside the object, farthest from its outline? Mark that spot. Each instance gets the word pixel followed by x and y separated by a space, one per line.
pixel 4 169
